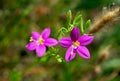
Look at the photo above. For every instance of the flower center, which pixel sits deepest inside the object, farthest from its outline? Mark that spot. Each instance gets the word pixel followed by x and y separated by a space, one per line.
pixel 40 41
pixel 76 44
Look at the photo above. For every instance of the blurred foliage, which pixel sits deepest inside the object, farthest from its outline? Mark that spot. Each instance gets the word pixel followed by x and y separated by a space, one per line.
pixel 19 17
pixel 15 76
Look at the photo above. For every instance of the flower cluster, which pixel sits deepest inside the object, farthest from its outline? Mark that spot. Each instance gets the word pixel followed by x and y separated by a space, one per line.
pixel 75 44
pixel 39 42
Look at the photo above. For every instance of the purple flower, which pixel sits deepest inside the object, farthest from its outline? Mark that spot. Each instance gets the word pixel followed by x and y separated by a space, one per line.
pixel 76 44
pixel 40 41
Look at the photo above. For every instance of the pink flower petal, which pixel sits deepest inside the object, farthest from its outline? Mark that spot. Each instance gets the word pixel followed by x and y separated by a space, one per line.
pixel 31 46
pixel 50 42
pixel 70 54
pixel 40 50
pixel 85 39
pixel 35 35
pixel 65 42
pixel 46 33
pixel 75 33
pixel 83 52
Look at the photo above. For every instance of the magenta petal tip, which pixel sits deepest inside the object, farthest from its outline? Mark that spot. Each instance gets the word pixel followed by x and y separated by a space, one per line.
pixel 46 33
pixel 86 39
pixel 31 46
pixel 83 52
pixel 40 50
pixel 35 35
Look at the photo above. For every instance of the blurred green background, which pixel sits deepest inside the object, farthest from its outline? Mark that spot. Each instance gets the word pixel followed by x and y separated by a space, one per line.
pixel 18 18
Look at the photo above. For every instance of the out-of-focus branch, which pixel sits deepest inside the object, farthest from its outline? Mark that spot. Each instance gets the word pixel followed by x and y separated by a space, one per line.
pixel 109 77
pixel 109 16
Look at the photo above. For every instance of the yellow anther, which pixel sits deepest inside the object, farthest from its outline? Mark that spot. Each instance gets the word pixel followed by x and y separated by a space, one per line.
pixel 76 43
pixel 41 41
pixel 31 39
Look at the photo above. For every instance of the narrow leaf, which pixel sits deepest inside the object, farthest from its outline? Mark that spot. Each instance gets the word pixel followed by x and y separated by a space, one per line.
pixel 81 25
pixel 87 24
pixel 69 17
pixel 77 19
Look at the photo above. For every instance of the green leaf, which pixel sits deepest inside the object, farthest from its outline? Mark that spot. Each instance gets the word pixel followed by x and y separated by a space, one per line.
pixel 43 59
pixel 70 27
pixel 59 58
pixel 61 31
pixel 77 19
pixel 69 17
pixel 87 24
pixel 81 26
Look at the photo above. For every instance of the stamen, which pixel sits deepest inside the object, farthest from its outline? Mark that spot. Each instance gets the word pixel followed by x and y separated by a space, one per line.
pixel 31 39
pixel 41 41
pixel 76 43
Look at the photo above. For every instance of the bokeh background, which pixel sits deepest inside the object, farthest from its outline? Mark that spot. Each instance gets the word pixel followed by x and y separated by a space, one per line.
pixel 18 18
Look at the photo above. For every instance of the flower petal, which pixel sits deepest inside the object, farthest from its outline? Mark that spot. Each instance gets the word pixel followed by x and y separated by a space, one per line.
pixel 75 33
pixel 40 50
pixel 83 52
pixel 85 39
pixel 35 35
pixel 46 33
pixel 50 42
pixel 70 54
pixel 65 42
pixel 31 46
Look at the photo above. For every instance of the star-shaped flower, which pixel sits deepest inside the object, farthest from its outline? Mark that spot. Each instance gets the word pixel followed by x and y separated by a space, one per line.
pixel 76 44
pixel 38 42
